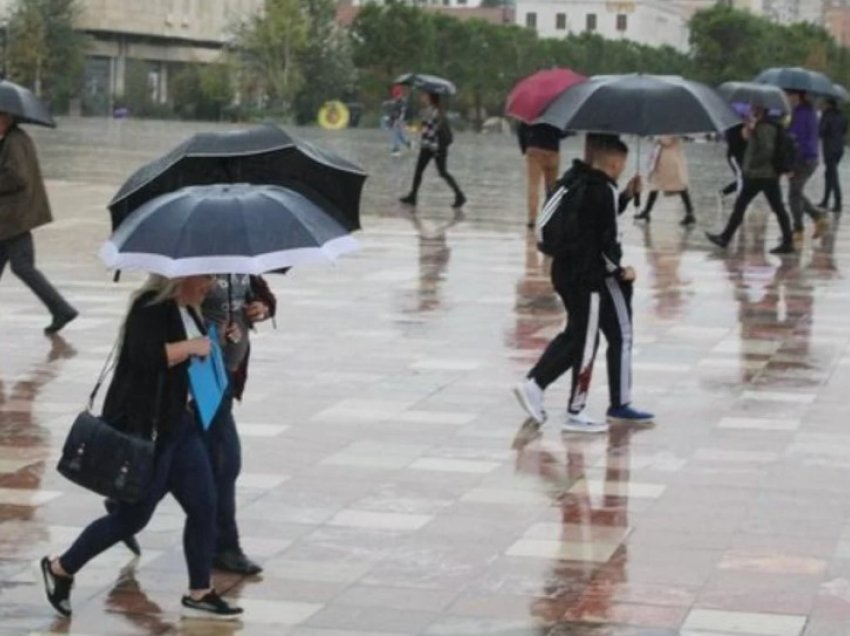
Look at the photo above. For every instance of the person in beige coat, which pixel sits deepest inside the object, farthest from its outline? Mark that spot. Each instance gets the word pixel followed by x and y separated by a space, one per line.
pixel 23 207
pixel 668 174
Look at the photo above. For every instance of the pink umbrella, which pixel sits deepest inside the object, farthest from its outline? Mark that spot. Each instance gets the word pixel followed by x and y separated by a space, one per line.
pixel 532 95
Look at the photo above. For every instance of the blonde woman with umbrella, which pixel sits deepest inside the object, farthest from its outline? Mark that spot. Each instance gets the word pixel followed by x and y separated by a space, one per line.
pixel 669 174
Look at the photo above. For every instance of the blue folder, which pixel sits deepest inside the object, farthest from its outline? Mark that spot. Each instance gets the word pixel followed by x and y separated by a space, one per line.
pixel 208 380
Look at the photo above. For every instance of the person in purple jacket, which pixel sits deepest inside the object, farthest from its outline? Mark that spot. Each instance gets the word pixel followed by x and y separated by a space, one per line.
pixel 805 129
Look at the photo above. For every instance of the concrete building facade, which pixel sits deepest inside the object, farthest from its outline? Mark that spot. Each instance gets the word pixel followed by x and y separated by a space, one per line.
pixel 650 22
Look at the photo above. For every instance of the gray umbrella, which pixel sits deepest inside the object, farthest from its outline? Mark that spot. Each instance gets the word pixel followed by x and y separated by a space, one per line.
pixel 226 228
pixel 640 105
pixel 797 79
pixel 26 107
pixel 762 95
pixel 427 83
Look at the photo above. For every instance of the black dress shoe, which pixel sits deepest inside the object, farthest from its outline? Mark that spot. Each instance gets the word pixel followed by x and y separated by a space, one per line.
pixel 718 240
pixel 783 248
pixel 131 542
pixel 459 201
pixel 236 562
pixel 643 216
pixel 59 322
pixel 408 200
pixel 690 219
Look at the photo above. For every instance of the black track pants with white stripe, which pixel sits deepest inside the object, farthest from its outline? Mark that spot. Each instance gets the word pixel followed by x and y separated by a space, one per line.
pixel 588 312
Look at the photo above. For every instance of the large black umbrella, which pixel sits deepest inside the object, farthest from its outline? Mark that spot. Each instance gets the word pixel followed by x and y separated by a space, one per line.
pixel 763 95
pixel 26 107
pixel 226 228
pixel 640 105
pixel 797 79
pixel 427 83
pixel 263 154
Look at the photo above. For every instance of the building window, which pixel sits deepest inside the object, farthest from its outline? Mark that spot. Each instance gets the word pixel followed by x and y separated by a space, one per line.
pixel 591 22
pixel 531 20
pixel 561 21
pixel 622 22
pixel 461 3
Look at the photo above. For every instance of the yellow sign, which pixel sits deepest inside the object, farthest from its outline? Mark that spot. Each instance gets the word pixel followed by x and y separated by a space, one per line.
pixel 334 115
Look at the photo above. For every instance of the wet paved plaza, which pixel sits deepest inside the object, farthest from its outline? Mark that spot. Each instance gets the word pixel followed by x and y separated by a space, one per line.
pixel 390 484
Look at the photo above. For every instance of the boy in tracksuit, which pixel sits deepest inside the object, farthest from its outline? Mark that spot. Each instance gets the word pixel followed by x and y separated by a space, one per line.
pixel 596 290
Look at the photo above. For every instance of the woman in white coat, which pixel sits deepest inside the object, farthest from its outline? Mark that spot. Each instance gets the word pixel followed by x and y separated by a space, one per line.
pixel 668 174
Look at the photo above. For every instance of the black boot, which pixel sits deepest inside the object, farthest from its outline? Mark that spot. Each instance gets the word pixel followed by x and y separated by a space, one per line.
pixel 643 216
pixel 410 199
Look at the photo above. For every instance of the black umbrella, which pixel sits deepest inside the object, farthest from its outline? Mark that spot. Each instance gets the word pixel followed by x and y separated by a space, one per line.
pixel 762 95
pixel 263 154
pixel 640 105
pixel 26 107
pixel 232 228
pixel 427 83
pixel 797 79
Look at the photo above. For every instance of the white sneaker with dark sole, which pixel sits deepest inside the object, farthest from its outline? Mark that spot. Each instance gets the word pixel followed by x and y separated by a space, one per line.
pixel 210 607
pixel 531 401
pixel 581 423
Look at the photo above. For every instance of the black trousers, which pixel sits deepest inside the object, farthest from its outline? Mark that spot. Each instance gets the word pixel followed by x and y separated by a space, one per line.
pixel 734 186
pixel 686 199
pixel 832 185
pixel 19 252
pixel 750 189
pixel 440 158
pixel 609 310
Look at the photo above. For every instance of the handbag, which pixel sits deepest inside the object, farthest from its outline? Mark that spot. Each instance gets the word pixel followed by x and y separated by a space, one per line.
pixel 100 458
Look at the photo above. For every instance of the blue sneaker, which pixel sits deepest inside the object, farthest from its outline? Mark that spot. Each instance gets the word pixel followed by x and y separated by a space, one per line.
pixel 627 415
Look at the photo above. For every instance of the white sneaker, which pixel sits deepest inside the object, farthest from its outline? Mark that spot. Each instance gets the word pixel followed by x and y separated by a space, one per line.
pixel 530 398
pixel 582 423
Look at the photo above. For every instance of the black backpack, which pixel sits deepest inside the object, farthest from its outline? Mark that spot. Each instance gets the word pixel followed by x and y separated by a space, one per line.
pixel 559 228
pixel 784 151
pixel 444 132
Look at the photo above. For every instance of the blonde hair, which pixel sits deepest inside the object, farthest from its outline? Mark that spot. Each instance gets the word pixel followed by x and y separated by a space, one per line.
pixel 163 289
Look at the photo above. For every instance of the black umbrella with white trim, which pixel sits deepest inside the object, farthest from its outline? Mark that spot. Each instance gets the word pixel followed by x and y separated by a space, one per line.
pixel 226 228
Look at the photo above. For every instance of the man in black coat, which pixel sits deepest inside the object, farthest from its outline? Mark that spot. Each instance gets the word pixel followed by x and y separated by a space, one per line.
pixel 833 130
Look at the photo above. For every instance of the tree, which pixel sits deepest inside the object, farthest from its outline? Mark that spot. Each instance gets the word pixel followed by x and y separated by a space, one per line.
pixel 268 48
pixel 44 52
pixel 325 59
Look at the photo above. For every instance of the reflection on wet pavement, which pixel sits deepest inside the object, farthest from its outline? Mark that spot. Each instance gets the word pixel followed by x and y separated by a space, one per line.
pixel 390 484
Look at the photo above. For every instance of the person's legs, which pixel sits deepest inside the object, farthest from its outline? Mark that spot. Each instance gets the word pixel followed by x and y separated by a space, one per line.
pixel 587 342
pixel 827 182
pixel 797 200
pixel 534 173
pixel 193 486
pixel 650 203
pixel 749 190
pixel 773 194
pixel 836 185
pixel 425 156
pixel 440 159
pixel 21 255
pixel 551 169
pixel 832 184
pixel 689 207
pixel 226 459
pixel 4 256
pixel 734 186
pixel 615 322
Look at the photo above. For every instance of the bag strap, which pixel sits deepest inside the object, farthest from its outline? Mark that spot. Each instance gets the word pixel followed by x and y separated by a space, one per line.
pixel 107 368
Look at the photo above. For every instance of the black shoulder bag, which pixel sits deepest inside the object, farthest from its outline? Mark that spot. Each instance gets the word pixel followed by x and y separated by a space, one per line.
pixel 103 459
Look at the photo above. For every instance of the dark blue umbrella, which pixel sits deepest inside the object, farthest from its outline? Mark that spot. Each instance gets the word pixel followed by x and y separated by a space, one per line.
pixel 226 228
pixel 641 105
pixel 797 79
pixel 427 83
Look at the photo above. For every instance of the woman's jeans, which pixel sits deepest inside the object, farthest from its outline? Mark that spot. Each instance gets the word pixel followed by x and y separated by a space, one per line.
pixel 183 469
pixel 226 458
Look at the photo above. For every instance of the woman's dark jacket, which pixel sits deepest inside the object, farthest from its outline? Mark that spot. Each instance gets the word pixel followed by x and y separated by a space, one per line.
pixel 833 129
pixel 146 397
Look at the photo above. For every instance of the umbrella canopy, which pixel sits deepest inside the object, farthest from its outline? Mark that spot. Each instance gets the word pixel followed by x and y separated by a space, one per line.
pixel 640 105
pixel 264 154
pixel 427 83
pixel 762 95
pixel 840 93
pixel 532 95
pixel 797 79
pixel 26 107
pixel 233 228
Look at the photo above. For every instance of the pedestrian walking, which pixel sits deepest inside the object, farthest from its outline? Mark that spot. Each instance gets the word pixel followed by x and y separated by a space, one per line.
pixel 805 130
pixel 761 176
pixel 596 290
pixel 24 206
pixel 149 396
pixel 541 145
pixel 668 174
pixel 436 139
pixel 397 120
pixel 736 146
pixel 833 131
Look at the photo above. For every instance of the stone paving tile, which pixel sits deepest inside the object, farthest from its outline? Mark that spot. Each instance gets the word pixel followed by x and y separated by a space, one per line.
pixel 393 486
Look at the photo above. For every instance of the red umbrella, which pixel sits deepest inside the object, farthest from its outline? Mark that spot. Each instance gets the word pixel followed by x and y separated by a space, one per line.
pixel 532 95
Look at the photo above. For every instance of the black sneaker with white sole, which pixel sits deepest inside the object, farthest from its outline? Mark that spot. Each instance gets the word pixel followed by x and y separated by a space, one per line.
pixel 57 588
pixel 211 606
